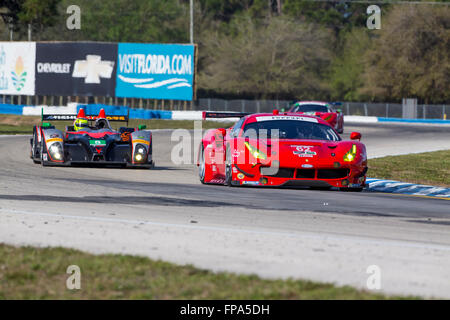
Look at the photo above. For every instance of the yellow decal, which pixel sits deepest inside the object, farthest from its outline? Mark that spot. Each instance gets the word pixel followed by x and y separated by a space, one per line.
pixel 54 140
pixel 141 141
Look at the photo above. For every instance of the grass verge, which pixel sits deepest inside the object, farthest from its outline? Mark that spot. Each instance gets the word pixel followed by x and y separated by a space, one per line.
pixel 40 273
pixel 13 124
pixel 431 168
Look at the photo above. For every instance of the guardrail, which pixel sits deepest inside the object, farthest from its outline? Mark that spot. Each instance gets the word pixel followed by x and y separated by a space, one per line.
pixel 143 113
pixel 367 109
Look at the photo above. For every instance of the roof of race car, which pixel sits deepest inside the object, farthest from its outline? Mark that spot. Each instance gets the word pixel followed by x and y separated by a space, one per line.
pixel 322 103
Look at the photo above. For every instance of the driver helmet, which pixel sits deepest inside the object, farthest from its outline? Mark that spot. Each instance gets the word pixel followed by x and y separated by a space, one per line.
pixel 80 123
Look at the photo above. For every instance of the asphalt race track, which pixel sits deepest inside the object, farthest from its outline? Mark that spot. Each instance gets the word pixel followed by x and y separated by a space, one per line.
pixel 167 214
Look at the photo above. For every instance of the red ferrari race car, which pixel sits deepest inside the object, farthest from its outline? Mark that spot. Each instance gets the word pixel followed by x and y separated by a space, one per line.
pixel 281 149
pixel 323 110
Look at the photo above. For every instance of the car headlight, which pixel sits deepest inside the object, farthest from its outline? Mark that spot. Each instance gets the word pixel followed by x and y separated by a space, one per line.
pixel 55 151
pixel 140 153
pixel 351 154
pixel 255 152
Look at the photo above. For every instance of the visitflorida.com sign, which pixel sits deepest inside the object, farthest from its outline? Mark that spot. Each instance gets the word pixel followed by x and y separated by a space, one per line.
pixel 155 71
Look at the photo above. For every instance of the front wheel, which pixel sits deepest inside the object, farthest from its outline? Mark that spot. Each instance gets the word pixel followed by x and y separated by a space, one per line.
pixel 42 155
pixel 202 166
pixel 228 172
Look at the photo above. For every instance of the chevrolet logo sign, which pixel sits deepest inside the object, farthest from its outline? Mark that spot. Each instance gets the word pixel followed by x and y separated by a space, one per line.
pixel 92 69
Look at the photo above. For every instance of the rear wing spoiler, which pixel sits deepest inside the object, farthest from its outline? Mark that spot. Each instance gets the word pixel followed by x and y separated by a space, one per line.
pixel 337 105
pixel 221 115
pixel 68 117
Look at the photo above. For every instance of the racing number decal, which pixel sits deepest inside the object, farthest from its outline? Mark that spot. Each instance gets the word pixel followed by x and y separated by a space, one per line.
pixel 304 151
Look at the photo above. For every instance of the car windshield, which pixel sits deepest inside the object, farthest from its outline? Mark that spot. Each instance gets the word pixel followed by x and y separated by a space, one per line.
pixel 309 108
pixel 290 129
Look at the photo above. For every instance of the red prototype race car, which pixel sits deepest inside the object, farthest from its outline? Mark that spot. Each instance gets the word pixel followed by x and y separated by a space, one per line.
pixel 281 149
pixel 323 110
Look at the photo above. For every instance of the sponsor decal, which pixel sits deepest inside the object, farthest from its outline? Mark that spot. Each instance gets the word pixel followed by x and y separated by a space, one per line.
pixel 59 117
pixel 54 140
pixel 141 141
pixel 19 75
pixel 45 157
pixel 155 71
pixel 308 166
pixel 54 135
pixel 17 60
pixel 354 185
pixel 97 142
pixel 304 151
pixel 92 69
pixel 125 136
pixel 240 175
pixel 254 183
pixel 295 118
pixel 76 68
pixel 53 67
pixel 236 154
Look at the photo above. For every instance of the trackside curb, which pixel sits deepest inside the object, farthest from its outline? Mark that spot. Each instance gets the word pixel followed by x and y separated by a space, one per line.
pixel 392 186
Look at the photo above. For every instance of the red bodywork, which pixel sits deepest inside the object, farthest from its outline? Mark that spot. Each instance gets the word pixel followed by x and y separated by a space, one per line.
pixel 225 157
pixel 334 117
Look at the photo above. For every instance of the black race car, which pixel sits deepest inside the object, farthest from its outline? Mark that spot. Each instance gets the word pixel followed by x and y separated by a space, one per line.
pixel 94 144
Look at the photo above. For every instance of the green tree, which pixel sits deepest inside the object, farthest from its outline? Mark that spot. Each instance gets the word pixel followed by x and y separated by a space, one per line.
pixel 125 21
pixel 348 67
pixel 275 59
pixel 410 58
pixel 39 13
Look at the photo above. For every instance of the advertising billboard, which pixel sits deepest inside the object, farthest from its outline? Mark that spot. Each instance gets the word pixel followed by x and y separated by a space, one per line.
pixel 155 71
pixel 17 61
pixel 76 68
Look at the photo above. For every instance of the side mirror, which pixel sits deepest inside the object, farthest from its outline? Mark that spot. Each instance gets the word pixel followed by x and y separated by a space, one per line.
pixel 355 136
pixel 142 127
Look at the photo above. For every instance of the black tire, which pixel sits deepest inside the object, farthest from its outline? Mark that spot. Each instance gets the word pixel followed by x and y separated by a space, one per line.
pixel 34 147
pixel 321 188
pixel 351 189
pixel 202 166
pixel 228 172
pixel 42 155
